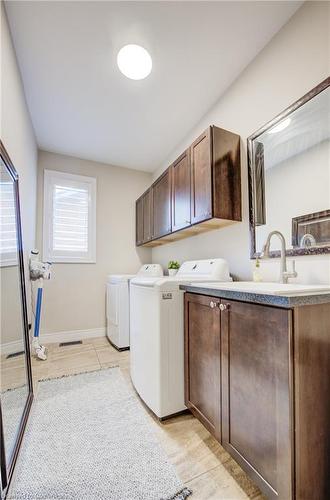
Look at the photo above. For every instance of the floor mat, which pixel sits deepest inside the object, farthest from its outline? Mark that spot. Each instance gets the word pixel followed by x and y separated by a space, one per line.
pixel 88 438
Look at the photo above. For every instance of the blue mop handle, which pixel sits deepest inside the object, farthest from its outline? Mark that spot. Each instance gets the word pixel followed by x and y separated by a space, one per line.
pixel 38 312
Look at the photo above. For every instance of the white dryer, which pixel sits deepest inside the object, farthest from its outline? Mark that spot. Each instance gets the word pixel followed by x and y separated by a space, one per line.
pixel 118 304
pixel 156 332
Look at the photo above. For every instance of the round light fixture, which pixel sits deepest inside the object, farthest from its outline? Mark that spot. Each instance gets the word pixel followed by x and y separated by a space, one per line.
pixel 134 62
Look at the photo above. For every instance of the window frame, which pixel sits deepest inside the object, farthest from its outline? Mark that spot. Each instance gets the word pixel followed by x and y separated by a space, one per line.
pixel 66 179
pixel 10 259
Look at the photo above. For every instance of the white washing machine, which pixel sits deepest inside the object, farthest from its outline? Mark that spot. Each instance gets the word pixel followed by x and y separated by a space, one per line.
pixel 157 333
pixel 118 304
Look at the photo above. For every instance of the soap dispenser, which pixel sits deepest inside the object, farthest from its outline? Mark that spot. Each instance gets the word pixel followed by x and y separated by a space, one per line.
pixel 256 273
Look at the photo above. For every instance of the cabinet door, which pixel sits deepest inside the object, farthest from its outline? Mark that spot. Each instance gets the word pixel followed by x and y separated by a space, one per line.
pixel 226 164
pixel 181 192
pixel 161 196
pixel 147 216
pixel 256 380
pixel 139 221
pixel 202 360
pixel 201 178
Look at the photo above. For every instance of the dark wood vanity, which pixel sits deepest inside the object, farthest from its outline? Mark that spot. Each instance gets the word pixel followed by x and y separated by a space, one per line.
pixel 257 375
pixel 200 191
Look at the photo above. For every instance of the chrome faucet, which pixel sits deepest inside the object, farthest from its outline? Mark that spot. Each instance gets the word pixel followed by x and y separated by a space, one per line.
pixel 284 274
pixel 307 240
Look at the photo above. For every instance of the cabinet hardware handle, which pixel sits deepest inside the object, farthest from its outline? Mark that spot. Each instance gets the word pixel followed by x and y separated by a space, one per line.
pixel 223 307
pixel 213 304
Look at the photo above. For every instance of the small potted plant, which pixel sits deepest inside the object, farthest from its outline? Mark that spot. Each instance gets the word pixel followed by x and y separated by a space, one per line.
pixel 173 267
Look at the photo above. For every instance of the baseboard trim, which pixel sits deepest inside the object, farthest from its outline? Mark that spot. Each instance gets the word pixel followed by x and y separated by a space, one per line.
pixel 57 337
pixel 10 347
pixel 72 335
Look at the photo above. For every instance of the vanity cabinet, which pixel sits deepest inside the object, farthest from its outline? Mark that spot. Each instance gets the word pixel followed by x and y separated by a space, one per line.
pixel 161 205
pixel 202 355
pixel 258 377
pixel 181 192
pixel 256 374
pixel 200 191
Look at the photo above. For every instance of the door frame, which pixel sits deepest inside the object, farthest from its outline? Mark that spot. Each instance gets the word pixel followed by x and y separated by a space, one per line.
pixel 8 466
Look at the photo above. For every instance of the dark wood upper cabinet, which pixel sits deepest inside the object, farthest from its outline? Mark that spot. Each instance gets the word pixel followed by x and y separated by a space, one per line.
pixel 161 205
pixel 216 176
pixel 200 191
pixel 226 168
pixel 139 220
pixel 147 215
pixel 143 216
pixel 256 374
pixel 202 365
pixel 201 177
pixel 181 190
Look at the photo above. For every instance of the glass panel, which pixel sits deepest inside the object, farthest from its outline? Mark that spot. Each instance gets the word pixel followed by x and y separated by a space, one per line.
pixel 291 163
pixel 70 219
pixel 13 381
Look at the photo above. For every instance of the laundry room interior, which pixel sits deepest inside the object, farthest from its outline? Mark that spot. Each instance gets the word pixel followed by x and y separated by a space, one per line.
pixel 165 250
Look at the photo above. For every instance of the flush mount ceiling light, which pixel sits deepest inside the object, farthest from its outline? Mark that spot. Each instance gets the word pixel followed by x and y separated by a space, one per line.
pixel 134 62
pixel 281 126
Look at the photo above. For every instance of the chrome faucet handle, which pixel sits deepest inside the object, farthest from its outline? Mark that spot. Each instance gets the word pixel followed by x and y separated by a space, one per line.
pixel 284 274
pixel 293 273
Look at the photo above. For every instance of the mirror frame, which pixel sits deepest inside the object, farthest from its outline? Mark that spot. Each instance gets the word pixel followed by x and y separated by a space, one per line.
pixel 7 466
pixel 294 251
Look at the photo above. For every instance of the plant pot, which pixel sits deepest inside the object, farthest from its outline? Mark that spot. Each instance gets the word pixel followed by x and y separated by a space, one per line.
pixel 172 272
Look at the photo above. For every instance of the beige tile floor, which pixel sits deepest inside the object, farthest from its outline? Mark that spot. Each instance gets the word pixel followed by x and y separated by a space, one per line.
pixel 202 464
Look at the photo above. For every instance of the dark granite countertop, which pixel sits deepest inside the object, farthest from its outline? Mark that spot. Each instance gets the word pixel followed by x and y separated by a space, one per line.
pixel 286 301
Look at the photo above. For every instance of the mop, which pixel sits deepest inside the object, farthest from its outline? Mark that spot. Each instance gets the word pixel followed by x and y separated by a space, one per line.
pixel 39 271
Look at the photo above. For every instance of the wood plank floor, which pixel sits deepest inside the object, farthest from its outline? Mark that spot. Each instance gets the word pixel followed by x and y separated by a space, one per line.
pixel 202 464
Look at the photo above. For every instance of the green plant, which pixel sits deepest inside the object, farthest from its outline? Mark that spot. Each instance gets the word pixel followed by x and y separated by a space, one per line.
pixel 173 264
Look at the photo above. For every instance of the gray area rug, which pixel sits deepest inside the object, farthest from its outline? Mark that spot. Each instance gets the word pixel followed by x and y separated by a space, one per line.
pixel 88 439
pixel 12 406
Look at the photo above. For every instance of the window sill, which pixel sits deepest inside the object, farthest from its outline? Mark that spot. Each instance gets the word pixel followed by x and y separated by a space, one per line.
pixel 9 263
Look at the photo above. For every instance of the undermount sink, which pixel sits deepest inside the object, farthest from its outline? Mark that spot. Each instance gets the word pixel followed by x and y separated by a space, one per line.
pixel 267 288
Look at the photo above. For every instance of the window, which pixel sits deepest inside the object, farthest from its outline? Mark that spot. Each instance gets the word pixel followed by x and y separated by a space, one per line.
pixel 8 237
pixel 69 217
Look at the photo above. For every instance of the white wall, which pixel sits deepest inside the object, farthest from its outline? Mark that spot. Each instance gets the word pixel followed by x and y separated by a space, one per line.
pixel 18 138
pixel 74 299
pixel 295 60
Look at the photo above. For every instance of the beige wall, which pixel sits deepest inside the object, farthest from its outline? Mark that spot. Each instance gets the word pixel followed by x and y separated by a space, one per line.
pixel 74 299
pixel 310 194
pixel 296 59
pixel 18 137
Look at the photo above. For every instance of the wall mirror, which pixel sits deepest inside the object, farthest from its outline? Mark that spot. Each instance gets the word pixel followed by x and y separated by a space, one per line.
pixel 16 381
pixel 289 177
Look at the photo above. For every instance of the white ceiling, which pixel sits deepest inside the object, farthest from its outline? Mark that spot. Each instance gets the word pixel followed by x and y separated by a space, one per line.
pixel 81 105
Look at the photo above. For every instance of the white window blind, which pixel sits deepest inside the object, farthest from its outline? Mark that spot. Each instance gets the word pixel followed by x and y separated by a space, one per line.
pixel 8 236
pixel 69 217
